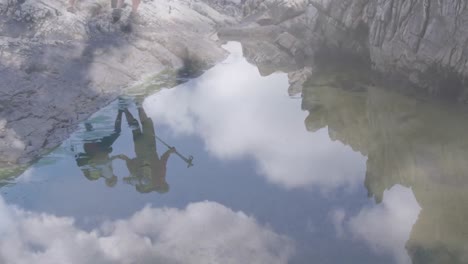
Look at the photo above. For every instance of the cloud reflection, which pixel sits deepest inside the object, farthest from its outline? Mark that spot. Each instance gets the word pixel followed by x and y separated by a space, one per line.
pixel 385 227
pixel 204 232
pixel 238 113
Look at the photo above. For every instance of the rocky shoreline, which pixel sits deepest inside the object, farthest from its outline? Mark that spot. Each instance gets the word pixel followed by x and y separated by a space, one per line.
pixel 416 43
pixel 57 68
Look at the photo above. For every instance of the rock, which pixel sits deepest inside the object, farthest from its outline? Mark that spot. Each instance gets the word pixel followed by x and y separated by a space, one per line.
pixel 405 39
pixel 297 80
pixel 58 67
pixel 273 11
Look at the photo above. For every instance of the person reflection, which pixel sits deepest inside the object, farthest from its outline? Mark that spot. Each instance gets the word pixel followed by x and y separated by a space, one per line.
pixel 147 170
pixel 95 162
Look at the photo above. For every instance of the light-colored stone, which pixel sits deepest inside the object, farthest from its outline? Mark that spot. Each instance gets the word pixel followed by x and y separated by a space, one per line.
pixel 57 67
pixel 400 37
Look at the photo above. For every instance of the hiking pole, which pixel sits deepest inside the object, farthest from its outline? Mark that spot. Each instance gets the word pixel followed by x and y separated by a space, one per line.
pixel 187 160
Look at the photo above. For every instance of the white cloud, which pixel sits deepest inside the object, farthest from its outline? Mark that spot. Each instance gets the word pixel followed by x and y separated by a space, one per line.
pixel 238 113
pixel 204 232
pixel 387 226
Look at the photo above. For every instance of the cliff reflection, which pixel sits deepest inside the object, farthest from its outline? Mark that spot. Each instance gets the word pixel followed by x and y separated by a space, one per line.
pixel 418 144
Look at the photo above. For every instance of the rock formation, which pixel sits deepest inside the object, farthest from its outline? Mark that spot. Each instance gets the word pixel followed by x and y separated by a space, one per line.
pixel 419 42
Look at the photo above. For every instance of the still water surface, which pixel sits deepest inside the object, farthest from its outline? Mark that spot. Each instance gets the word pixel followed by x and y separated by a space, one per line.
pixel 335 176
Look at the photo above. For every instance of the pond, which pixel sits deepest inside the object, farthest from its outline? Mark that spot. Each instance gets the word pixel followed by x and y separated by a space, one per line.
pixel 228 168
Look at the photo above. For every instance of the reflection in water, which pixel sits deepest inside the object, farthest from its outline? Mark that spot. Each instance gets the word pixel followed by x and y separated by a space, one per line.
pixel 410 155
pixel 419 144
pixel 203 232
pixel 240 114
pixel 95 162
pixel 397 214
pixel 147 169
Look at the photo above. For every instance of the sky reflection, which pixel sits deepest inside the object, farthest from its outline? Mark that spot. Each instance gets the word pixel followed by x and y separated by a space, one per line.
pixel 251 196
pixel 236 113
pixel 384 227
pixel 203 232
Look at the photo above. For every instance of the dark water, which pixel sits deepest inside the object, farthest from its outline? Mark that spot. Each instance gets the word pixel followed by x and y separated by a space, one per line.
pixel 335 176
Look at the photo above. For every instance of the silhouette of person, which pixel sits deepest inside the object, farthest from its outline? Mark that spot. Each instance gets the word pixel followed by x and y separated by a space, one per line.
pixel 148 171
pixel 95 162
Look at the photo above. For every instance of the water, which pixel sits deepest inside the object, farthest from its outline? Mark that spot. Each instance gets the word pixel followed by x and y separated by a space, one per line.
pixel 337 176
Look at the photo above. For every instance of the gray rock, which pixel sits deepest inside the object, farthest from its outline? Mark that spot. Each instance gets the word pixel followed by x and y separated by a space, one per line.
pixel 297 79
pixel 409 39
pixel 57 68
